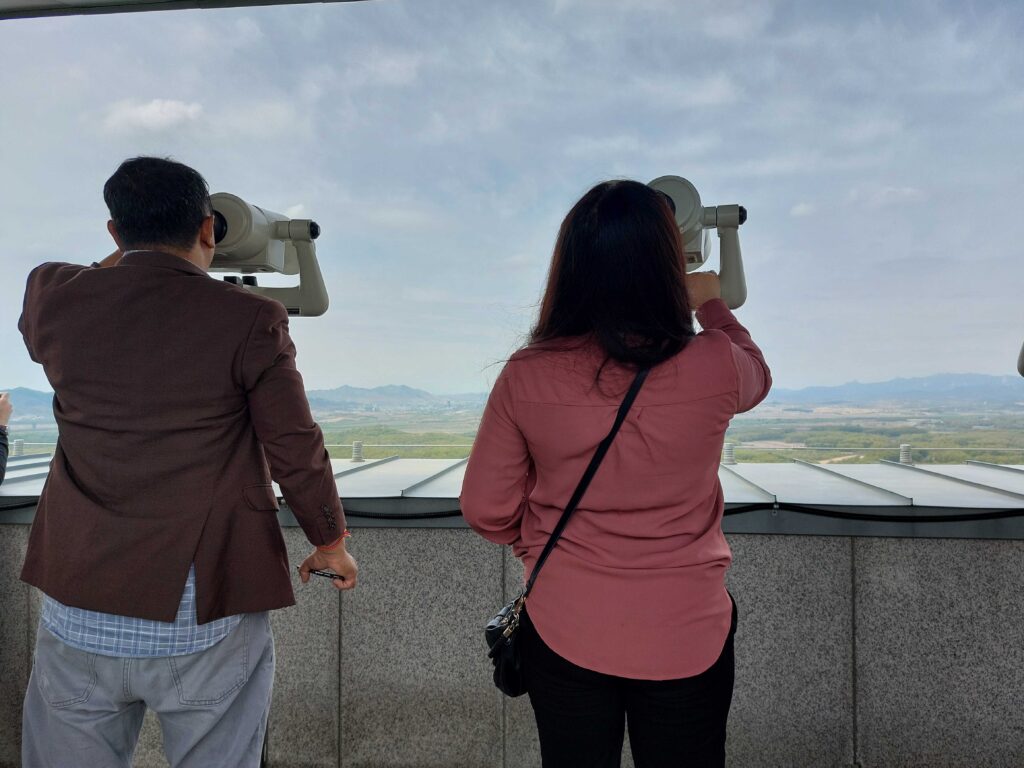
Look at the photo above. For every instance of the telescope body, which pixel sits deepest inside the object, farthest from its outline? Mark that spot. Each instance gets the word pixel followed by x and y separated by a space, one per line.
pixel 695 222
pixel 252 240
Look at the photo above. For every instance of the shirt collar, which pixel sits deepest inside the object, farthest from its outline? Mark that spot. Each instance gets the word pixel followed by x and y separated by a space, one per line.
pixel 160 259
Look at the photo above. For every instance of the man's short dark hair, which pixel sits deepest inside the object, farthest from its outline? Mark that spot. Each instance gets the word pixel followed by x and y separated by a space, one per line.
pixel 154 201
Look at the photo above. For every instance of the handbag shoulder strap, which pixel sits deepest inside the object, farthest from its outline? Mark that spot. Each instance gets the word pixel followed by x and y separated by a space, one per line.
pixel 588 475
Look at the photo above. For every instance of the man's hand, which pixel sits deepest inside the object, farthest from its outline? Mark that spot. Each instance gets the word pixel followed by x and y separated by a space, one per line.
pixel 338 560
pixel 701 287
pixel 5 408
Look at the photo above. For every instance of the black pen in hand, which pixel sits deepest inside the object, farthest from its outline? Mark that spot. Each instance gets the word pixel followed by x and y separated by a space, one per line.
pixel 325 574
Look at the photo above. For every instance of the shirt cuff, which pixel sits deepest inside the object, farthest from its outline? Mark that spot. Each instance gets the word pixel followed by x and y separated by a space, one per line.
pixel 713 313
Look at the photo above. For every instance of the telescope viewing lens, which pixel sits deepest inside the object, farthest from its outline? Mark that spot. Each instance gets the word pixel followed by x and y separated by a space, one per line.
pixel 220 226
pixel 314 230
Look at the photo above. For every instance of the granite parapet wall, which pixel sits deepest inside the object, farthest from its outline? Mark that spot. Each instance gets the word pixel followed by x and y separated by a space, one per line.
pixel 850 651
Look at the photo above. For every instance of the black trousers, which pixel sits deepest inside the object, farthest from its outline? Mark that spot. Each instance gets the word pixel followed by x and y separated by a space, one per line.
pixel 581 714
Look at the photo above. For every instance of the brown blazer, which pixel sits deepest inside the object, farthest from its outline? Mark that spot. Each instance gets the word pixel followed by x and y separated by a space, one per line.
pixel 173 393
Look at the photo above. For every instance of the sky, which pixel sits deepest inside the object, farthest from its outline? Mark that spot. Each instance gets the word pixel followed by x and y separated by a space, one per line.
pixel 877 147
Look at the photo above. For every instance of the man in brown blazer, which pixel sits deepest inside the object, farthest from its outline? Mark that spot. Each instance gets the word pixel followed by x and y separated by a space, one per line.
pixel 155 541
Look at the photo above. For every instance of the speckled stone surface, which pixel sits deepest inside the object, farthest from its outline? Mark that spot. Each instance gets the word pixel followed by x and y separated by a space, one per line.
pixel 415 679
pixel 303 727
pixel 940 652
pixel 150 751
pixel 15 639
pixel 793 699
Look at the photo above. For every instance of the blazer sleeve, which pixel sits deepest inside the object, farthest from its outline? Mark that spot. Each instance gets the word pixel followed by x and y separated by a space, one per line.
pixel 292 441
pixel 754 380
pixel 499 474
pixel 40 281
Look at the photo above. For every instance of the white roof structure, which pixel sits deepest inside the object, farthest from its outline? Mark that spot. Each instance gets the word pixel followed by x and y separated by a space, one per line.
pixel 971 500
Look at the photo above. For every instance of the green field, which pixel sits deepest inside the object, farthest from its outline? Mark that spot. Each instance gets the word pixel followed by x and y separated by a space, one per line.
pixel 394 441
pixel 946 438
pixel 814 435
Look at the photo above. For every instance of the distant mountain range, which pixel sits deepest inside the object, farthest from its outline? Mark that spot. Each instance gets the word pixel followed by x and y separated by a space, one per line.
pixel 357 398
pixel 32 405
pixel 394 397
pixel 971 389
pixel 963 389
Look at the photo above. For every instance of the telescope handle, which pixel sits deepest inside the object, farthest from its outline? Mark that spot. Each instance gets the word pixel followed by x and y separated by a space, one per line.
pixel 308 298
pixel 730 273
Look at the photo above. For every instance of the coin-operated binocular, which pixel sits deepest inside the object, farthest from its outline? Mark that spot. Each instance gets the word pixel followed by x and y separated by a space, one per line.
pixel 251 240
pixel 695 221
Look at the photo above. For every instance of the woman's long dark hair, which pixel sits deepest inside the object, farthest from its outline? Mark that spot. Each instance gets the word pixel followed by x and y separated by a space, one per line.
pixel 617 275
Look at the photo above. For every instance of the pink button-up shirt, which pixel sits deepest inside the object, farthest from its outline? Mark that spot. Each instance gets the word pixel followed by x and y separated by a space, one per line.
pixel 636 585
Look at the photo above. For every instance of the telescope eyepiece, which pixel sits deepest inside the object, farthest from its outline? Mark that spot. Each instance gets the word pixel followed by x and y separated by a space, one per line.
pixel 743 215
pixel 314 230
pixel 220 226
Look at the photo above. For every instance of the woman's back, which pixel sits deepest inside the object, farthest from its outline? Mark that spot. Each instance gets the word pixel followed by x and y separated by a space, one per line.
pixel 639 572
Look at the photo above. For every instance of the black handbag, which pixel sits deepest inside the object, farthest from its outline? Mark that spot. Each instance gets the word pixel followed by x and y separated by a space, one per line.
pixel 502 631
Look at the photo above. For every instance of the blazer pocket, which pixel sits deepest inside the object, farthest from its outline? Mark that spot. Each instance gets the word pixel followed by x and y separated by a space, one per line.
pixel 260 498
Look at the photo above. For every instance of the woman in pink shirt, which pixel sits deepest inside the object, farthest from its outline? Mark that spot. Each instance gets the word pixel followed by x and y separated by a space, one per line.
pixel 630 617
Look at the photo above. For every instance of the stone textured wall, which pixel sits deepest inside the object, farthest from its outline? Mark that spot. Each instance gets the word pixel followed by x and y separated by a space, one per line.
pixel 883 652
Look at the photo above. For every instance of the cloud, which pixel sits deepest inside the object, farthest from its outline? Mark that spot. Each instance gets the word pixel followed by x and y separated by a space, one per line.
pixel 218 37
pixel 880 196
pixel 263 119
pixel 869 130
pixel 437 130
pixel 442 150
pixel 564 6
pixel 687 147
pixel 716 90
pixel 404 217
pixel 738 24
pixel 150 116
pixel 582 146
pixel 378 67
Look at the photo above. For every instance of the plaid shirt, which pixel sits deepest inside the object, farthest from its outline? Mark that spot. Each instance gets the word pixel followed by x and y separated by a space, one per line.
pixel 111 635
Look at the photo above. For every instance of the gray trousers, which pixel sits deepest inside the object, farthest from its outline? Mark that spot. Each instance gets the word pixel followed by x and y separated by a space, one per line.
pixel 84 709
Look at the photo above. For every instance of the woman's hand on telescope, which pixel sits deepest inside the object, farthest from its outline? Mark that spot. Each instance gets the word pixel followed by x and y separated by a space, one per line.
pixel 701 287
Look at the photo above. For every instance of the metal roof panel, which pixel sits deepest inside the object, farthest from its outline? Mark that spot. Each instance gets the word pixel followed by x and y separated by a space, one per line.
pixel 929 488
pixel 801 483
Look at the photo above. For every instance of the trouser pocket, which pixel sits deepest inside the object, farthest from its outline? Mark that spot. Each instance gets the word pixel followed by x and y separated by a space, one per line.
pixel 66 675
pixel 210 676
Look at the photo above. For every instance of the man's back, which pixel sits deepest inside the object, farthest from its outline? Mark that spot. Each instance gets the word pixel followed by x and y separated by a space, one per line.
pixel 177 400
pixel 166 382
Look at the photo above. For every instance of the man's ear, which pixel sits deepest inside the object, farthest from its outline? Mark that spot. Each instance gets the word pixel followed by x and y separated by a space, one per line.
pixel 206 237
pixel 113 233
